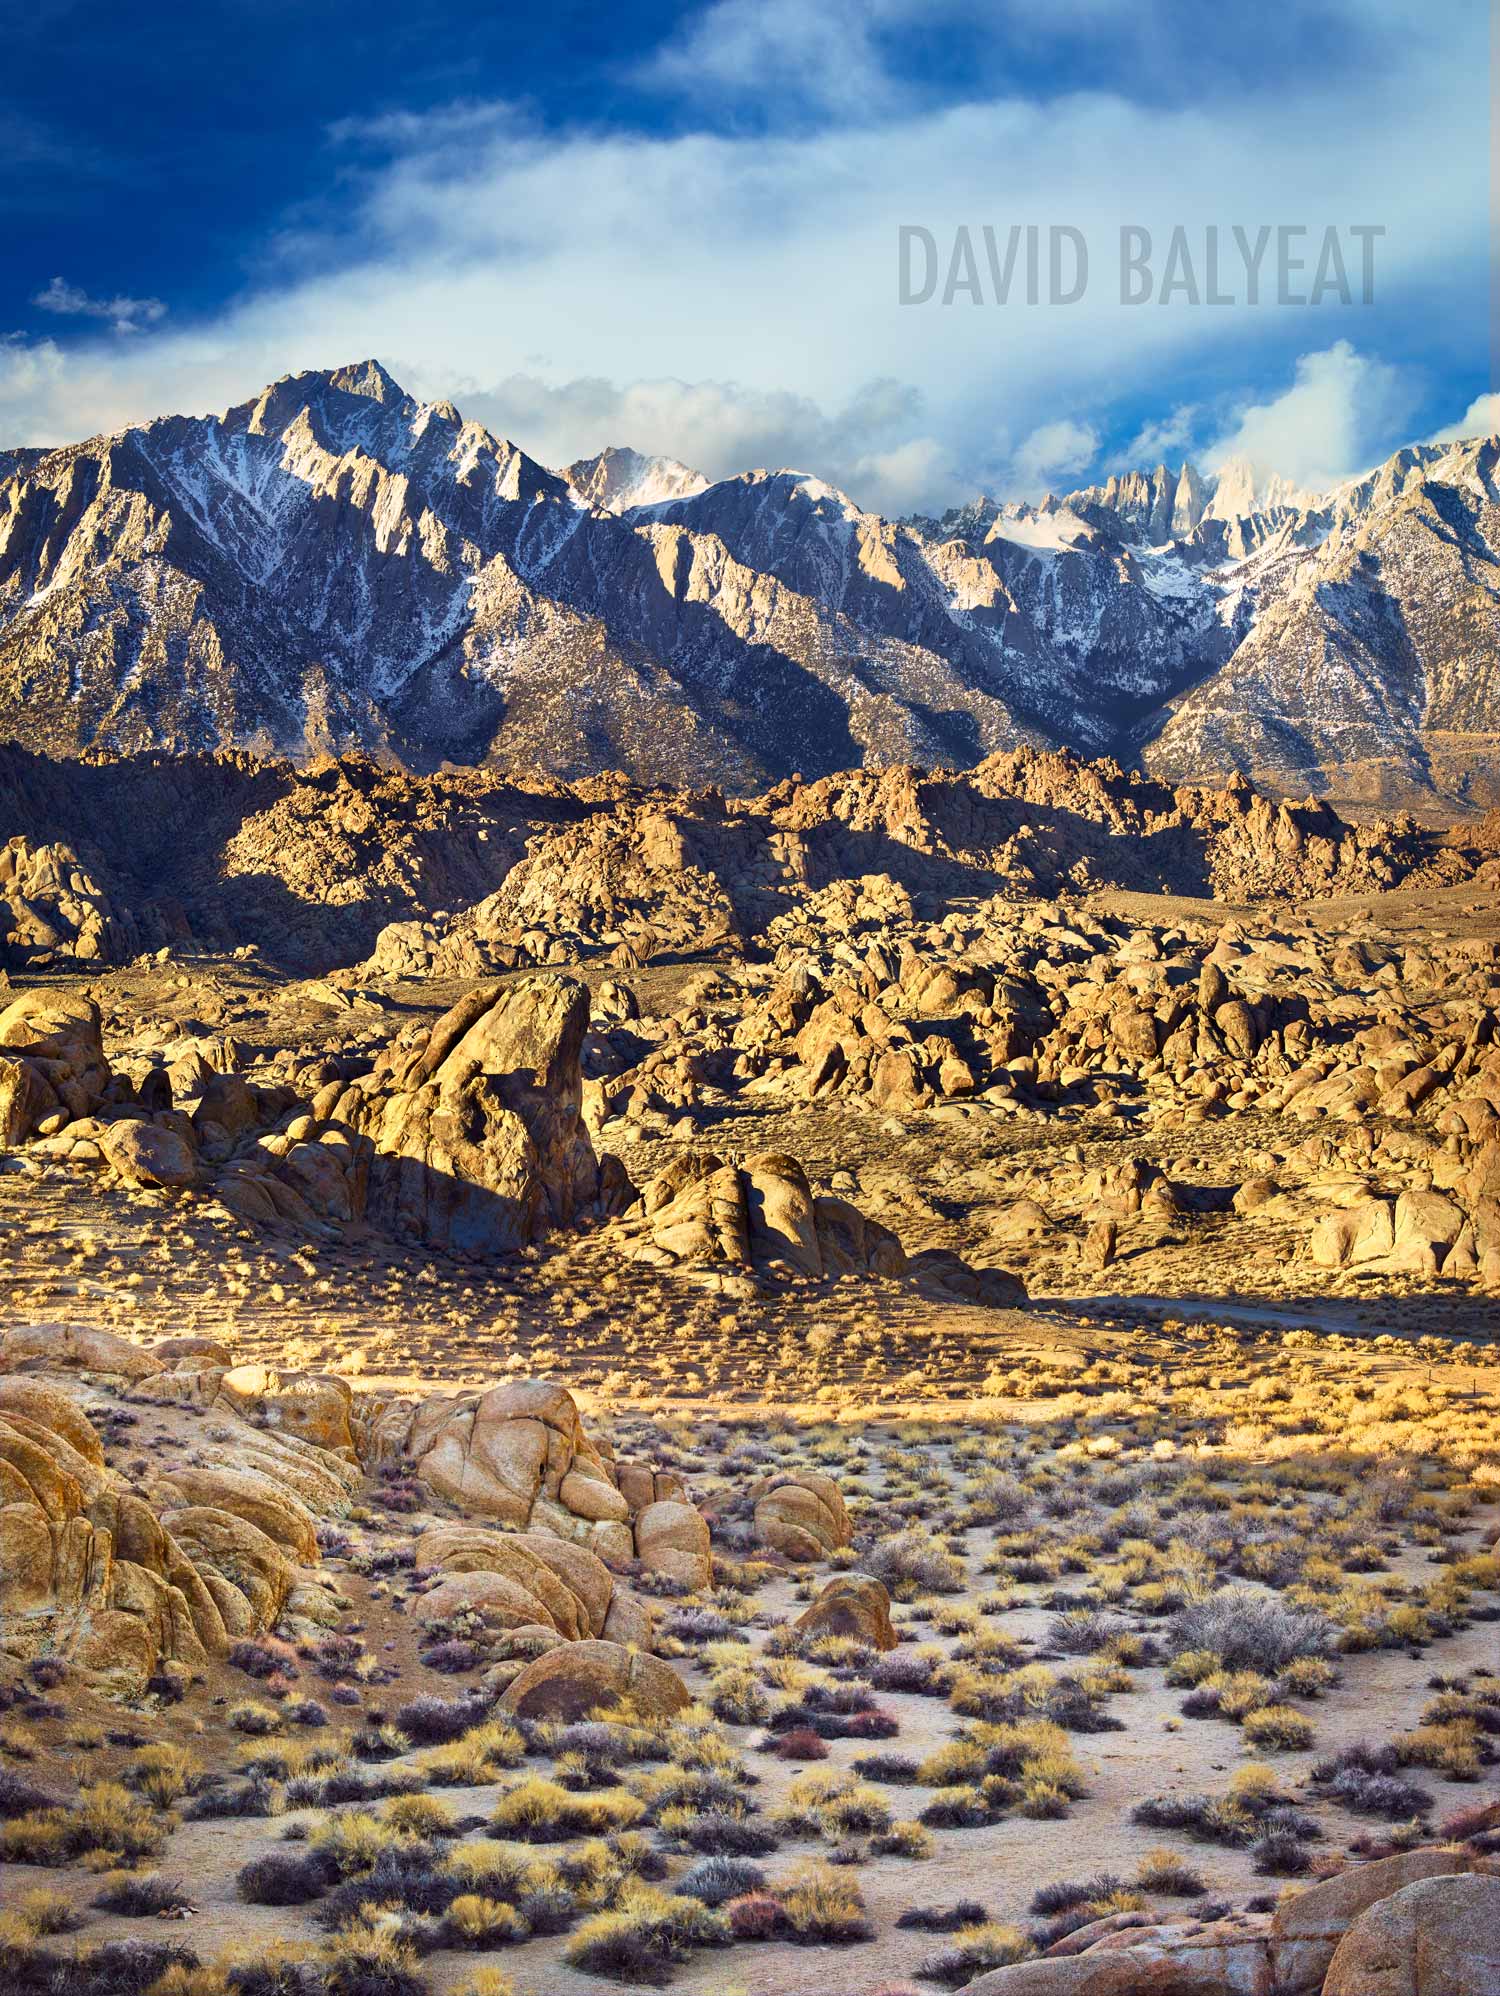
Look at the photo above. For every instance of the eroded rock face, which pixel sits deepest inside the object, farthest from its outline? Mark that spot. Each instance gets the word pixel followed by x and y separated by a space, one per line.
pixel 148 1154
pixel 1308 1926
pixel 519 1456
pixel 204 1552
pixel 479 1145
pixel 1214 1961
pixel 515 1580
pixel 74 1348
pixel 53 909
pixel 509 1455
pixel 464 1137
pixel 52 1062
pixel 121 1582
pixel 313 1407
pixel 671 1538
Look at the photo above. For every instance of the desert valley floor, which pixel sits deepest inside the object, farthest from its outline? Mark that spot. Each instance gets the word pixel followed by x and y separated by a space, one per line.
pixel 763 1426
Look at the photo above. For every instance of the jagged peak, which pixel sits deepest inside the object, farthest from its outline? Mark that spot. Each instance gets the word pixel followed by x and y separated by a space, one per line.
pixel 367 378
pixel 619 478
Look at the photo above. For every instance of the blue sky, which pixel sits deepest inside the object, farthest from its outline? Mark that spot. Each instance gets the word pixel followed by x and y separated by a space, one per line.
pixel 675 225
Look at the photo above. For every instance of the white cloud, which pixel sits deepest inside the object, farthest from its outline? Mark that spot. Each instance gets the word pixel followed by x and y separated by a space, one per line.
pixel 872 445
pixel 1053 451
pixel 29 374
pixel 722 295
pixel 1336 417
pixel 125 315
pixel 1480 419
pixel 1169 438
pixel 785 55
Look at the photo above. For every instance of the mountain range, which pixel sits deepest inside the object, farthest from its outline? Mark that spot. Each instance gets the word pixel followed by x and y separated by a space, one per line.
pixel 336 565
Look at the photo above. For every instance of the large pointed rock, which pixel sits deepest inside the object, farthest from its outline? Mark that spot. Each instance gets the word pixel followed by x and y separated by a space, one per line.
pixel 479 1143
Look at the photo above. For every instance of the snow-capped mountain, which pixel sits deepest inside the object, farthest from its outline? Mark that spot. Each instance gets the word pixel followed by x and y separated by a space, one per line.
pixel 617 479
pixel 335 563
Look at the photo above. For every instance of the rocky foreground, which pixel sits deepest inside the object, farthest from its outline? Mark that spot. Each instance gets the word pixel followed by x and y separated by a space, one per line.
pixel 358 1685
pixel 602 1384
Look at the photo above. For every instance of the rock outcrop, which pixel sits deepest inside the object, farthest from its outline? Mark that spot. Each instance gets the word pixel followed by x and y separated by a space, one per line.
pixel 855 1605
pixel 1421 1923
pixel 465 1137
pixel 121 1580
pixel 721 1222
pixel 1308 1926
pixel 173 1567
pixel 53 910
pixel 1438 1937
pixel 478 1143
pixel 515 1580
pixel 52 1064
pixel 519 1456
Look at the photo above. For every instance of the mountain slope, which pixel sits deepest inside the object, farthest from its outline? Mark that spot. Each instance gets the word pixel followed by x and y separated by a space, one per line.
pixel 1374 662
pixel 336 565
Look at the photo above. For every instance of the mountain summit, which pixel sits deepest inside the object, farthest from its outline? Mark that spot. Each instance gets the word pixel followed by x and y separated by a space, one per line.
pixel 336 564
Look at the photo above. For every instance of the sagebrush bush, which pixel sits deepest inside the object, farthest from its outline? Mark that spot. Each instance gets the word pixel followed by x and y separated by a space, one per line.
pixel 141 1895
pixel 1067 1894
pixel 369 1958
pixel 1163 1871
pixel 756 1916
pixel 474 1921
pixel 1279 1727
pixel 47 1912
pixel 20 1797
pixel 541 1811
pixel 638 1940
pixel 1251 1631
pixel 432 1721
pixel 943 1919
pixel 716 1880
pixel 717 1833
pixel 973 1952
pixel 285 1878
pixel 116 1968
pixel 899 1769
pixel 915 1562
pixel 477 1758
pixel 163 1774
pixel 254 1719
pixel 105 1817
pixel 821 1905
pixel 1085 1631
pixel 903 1839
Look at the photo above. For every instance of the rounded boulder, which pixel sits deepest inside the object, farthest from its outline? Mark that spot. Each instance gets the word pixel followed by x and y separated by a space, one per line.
pixel 576 1679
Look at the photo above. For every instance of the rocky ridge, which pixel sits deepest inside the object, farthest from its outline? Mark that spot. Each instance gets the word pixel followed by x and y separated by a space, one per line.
pixel 464 874
pixel 333 565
